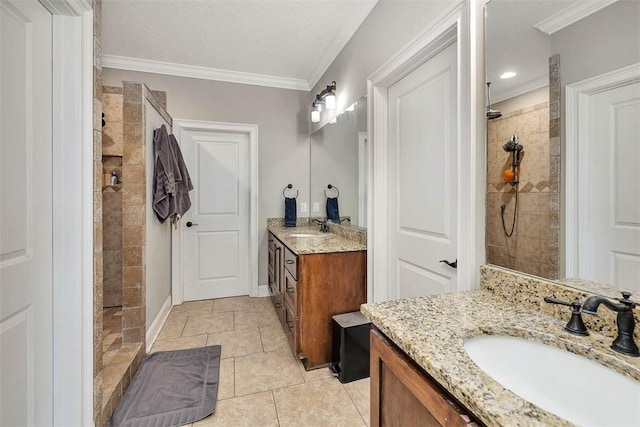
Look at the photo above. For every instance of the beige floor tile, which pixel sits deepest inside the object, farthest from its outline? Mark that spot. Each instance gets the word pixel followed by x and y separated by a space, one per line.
pixel 172 328
pixel 314 374
pixel 208 323
pixel 180 343
pixel 255 318
pixel 263 302
pixel 359 391
pixel 232 304
pixel 254 410
pixel 319 403
pixel 192 308
pixel 237 343
pixel 273 338
pixel 266 371
pixel 226 386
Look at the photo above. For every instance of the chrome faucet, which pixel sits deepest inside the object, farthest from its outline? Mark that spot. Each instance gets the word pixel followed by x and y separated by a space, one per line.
pixel 624 342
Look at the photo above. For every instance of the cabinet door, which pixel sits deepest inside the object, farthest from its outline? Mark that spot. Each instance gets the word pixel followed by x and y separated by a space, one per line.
pixel 402 395
pixel 278 268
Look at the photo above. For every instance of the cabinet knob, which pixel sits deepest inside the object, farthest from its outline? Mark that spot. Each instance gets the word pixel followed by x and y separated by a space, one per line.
pixel 190 224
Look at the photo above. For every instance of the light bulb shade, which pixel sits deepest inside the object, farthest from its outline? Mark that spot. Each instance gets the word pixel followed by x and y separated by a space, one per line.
pixel 315 116
pixel 330 101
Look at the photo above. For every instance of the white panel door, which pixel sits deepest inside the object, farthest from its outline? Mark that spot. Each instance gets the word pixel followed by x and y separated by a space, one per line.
pixel 216 247
pixel 609 242
pixel 26 352
pixel 422 207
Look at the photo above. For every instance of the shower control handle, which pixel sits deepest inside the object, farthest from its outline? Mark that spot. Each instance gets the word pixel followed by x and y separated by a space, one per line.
pixel 190 224
pixel 453 264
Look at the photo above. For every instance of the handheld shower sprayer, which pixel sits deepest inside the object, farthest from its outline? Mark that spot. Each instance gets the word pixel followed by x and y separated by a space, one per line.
pixel 512 175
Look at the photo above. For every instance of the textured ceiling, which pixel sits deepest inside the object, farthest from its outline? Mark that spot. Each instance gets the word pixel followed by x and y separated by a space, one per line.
pixel 296 39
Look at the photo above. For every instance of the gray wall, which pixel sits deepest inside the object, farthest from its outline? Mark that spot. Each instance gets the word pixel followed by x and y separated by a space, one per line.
pixel 283 131
pixel 388 28
pixel 158 235
pixel 605 41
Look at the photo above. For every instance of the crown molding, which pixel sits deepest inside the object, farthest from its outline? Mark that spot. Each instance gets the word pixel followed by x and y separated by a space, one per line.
pixel 571 14
pixel 339 42
pixel 197 72
pixel 525 87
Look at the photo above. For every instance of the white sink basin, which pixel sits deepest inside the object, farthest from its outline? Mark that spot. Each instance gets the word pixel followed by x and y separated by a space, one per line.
pixel 306 235
pixel 565 384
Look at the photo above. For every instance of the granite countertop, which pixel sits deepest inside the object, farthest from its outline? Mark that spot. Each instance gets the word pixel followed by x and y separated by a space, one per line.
pixel 319 243
pixel 432 331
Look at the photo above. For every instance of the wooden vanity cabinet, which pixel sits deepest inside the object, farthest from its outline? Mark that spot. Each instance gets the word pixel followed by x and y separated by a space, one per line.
pixel 317 287
pixel 403 395
pixel 276 281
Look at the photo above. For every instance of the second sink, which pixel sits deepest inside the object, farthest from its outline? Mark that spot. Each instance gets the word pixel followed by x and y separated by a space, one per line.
pixel 565 384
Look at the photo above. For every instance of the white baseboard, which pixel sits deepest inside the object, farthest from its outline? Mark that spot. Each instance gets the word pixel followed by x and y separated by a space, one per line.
pixel 263 290
pixel 158 322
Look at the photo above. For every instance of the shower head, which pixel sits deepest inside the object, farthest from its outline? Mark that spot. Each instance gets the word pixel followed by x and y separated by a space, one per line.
pixel 491 113
pixel 513 145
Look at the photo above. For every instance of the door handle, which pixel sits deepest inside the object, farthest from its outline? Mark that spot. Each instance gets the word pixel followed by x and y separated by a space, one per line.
pixel 190 224
pixel 453 264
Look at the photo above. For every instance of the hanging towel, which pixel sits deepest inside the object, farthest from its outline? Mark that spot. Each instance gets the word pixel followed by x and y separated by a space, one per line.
pixel 182 180
pixel 290 212
pixel 171 180
pixel 164 185
pixel 332 210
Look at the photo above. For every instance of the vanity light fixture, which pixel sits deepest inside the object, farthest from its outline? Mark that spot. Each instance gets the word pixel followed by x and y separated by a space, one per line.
pixel 508 75
pixel 327 98
pixel 315 114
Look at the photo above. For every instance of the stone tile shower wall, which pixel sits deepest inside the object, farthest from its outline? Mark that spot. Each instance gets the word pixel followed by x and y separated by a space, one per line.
pixel 527 249
pixel 112 196
pixel 133 215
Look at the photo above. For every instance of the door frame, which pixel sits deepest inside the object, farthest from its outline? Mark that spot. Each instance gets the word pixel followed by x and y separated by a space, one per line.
pixel 73 192
pixel 577 113
pixel 363 167
pixel 177 244
pixel 456 24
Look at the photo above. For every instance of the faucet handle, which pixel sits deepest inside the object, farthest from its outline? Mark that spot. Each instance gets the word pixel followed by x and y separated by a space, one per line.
pixel 626 300
pixel 575 325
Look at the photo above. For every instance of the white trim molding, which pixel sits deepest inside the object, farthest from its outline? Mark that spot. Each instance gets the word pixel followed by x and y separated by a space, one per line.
pixel 72 211
pixel 197 72
pixel 452 25
pixel 158 323
pixel 575 12
pixel 177 275
pixel 577 113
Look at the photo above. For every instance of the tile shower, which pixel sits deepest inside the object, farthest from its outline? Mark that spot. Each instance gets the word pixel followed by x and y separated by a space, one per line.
pixel 121 338
pixel 534 246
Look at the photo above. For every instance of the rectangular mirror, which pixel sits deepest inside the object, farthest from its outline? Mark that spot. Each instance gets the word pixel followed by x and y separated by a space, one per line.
pixel 338 158
pixel 574 108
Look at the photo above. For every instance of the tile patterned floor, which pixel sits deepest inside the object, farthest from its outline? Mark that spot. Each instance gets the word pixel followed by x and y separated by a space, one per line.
pixel 261 382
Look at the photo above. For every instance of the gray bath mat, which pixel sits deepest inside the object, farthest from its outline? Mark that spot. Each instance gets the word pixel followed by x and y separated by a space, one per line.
pixel 171 388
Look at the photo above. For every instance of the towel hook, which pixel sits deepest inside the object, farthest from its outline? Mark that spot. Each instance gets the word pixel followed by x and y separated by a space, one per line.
pixel 285 189
pixel 330 187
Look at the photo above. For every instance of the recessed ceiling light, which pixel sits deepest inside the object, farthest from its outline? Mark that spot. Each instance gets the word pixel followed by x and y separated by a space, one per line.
pixel 508 75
